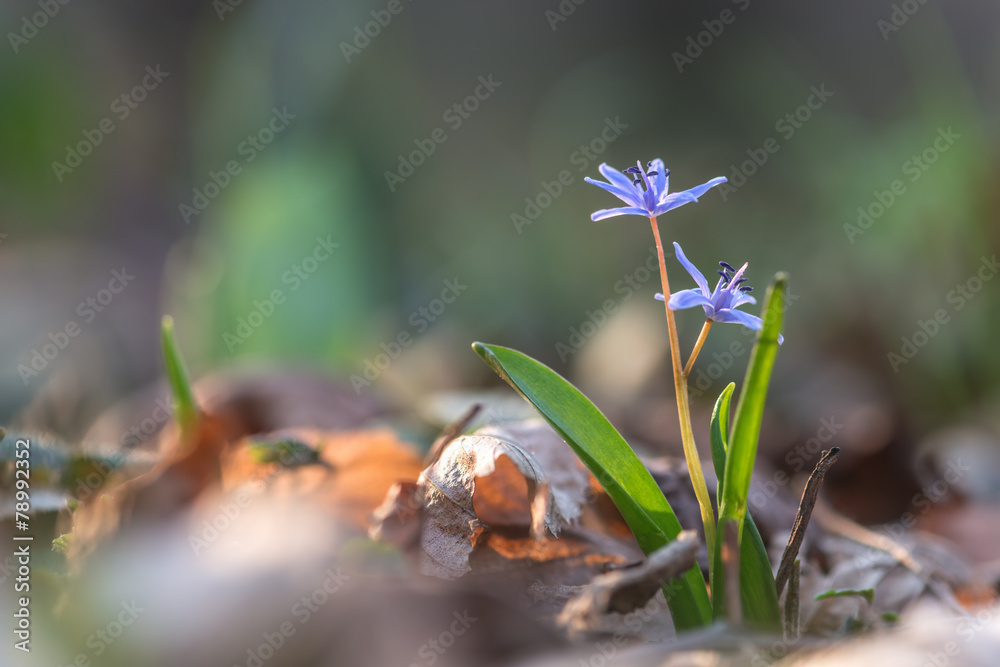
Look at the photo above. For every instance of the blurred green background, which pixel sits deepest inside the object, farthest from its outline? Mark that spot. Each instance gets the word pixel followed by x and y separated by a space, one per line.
pixel 702 85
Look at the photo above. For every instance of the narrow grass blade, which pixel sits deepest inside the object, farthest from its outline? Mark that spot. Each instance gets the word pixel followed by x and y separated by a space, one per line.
pixel 750 409
pixel 758 595
pixel 742 449
pixel 185 408
pixel 867 593
pixel 603 450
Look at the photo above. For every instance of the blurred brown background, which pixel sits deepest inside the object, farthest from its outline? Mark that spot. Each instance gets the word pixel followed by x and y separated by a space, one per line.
pixel 249 156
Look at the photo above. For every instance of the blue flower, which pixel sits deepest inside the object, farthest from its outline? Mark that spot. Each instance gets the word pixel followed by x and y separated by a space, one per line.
pixel 645 190
pixel 720 305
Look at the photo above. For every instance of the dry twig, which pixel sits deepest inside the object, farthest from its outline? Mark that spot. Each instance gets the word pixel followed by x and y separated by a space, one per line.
pixel 809 496
pixel 450 432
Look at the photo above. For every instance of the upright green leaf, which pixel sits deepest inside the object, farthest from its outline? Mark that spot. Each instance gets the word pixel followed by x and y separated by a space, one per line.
pixel 603 450
pixel 185 408
pixel 757 591
pixel 750 409
pixel 742 449
pixel 719 435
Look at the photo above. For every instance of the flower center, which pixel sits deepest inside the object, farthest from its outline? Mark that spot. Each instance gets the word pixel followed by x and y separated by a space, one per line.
pixel 636 173
pixel 728 281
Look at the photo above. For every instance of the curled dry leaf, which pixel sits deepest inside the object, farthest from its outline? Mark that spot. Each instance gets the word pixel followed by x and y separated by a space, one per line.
pixel 515 475
pixel 397 520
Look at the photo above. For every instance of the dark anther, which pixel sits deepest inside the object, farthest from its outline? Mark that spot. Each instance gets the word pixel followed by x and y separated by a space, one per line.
pixel 725 265
pixel 631 170
pixel 741 281
pixel 746 289
pixel 652 173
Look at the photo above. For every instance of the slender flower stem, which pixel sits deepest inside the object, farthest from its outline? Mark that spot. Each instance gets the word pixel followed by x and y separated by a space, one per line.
pixel 684 410
pixel 697 347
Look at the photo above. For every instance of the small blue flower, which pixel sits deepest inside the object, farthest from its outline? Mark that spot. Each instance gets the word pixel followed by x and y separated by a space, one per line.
pixel 645 190
pixel 720 305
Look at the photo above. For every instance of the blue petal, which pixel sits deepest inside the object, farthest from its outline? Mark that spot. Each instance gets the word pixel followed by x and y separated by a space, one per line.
pixel 699 190
pixel 605 213
pixel 693 270
pixel 660 180
pixel 746 319
pixel 688 298
pixel 739 317
pixel 629 197
pixel 741 298
pixel 617 178
pixel 672 201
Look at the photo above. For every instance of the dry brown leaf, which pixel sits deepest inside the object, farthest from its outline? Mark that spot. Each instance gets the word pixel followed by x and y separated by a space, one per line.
pixel 352 473
pixel 627 589
pixel 514 475
pixel 158 495
pixel 397 520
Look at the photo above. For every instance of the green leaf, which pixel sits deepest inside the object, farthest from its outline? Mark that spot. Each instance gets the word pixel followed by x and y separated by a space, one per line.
pixel 719 433
pixel 866 593
pixel 61 543
pixel 750 409
pixel 603 450
pixel 740 456
pixel 757 591
pixel 180 386
pixel 289 452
